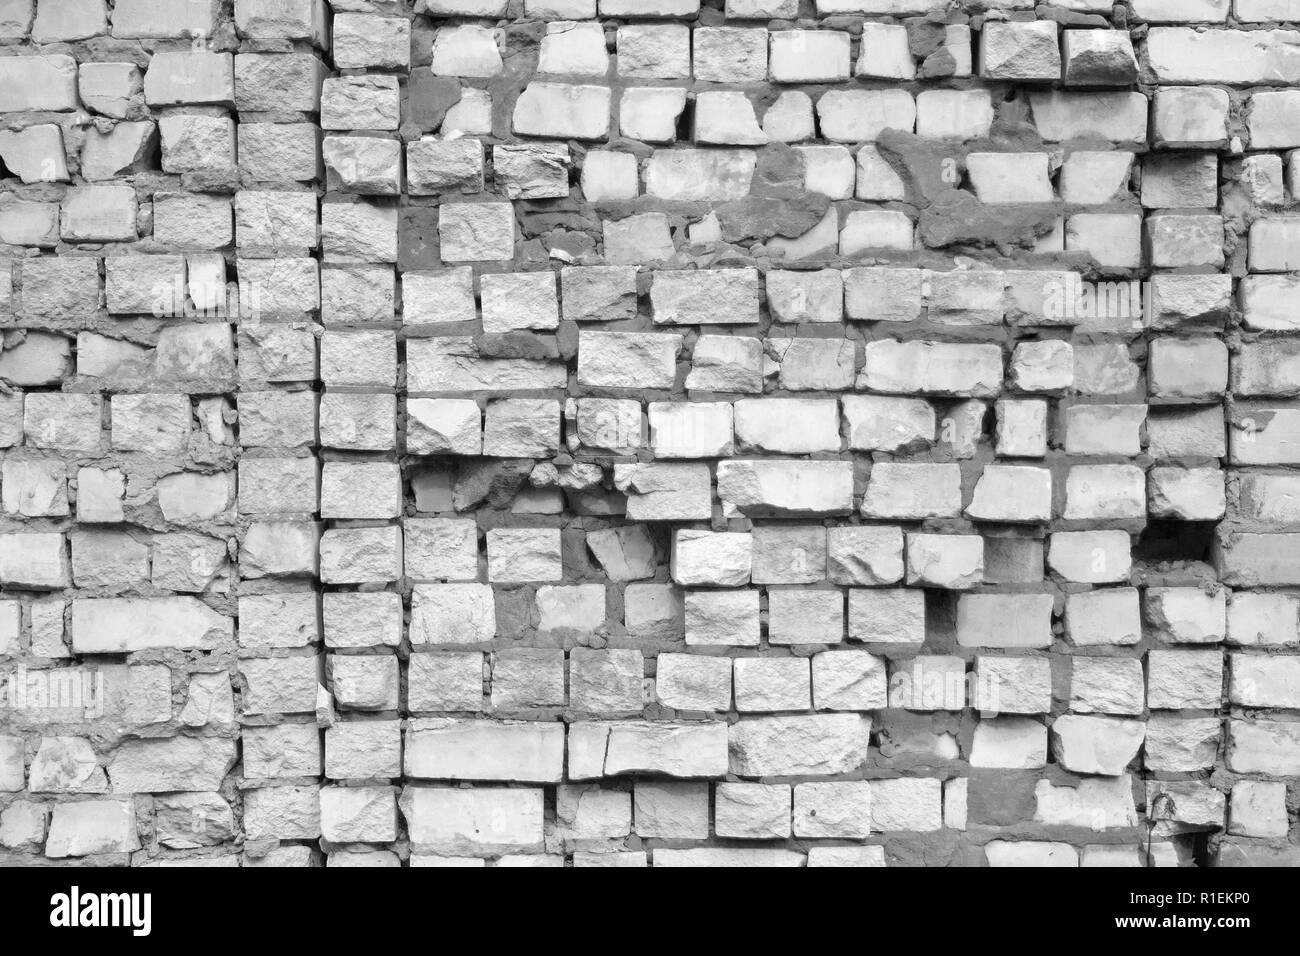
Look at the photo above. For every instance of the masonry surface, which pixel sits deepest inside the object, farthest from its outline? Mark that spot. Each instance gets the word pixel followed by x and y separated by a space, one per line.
pixel 647 432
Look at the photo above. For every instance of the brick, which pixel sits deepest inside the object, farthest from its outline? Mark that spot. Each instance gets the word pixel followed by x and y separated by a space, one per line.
pixel 1013 685
pixel 728 856
pixel 700 175
pixel 355 814
pixel 1262 746
pixel 954 562
pixel 1020 51
pixel 864 555
pixel 693 683
pixel 753 811
pixel 890 616
pixel 690 430
pixel 578 111
pixel 605 682
pixel 932 368
pixel 788 555
pixel 927 683
pixel 772 684
pixel 1183 615
pixel 806 56
pixel 448 681
pixel 1012 493
pixel 907 803
pixel 724 618
pixel 1097 745
pixel 1106 686
pixel 797 745
pixel 912 491
pixel 1262 618
pixel 1181 743
pixel 982 620
pixel 1257 681
pixel 1258 809
pixel 848 680
pixel 1183 55
pixel 814 365
pixel 768 488
pixel 676 749
pixel 90 827
pixel 482 821
pixel 1009 743
pixel 672 491
pixel 450 749
pixel 178 763
pixel 805 617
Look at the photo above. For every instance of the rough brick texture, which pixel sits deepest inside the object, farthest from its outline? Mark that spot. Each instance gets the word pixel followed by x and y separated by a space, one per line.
pixel 649 432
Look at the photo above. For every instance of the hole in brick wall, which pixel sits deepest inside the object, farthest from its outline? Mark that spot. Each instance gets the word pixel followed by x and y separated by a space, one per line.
pixel 940 621
pixel 1201 848
pixel 153 155
pixel 1175 541
pixel 686 122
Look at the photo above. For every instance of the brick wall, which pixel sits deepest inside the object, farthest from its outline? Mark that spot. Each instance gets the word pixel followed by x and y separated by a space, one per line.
pixel 625 432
